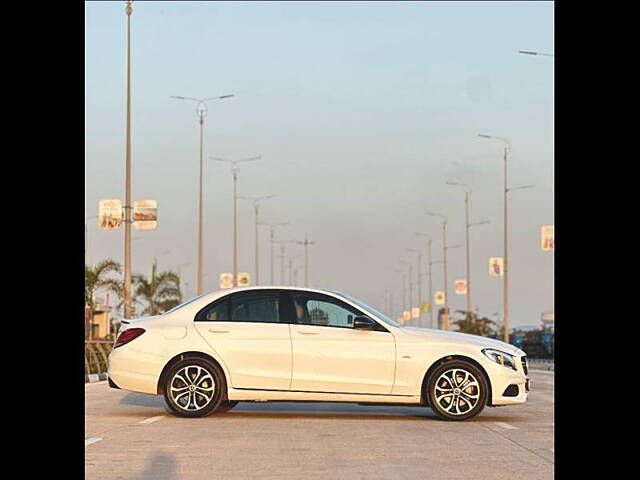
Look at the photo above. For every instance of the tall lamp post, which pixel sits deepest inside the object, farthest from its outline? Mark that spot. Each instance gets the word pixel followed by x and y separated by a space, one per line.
pixel 282 244
pixel 127 202
pixel 467 195
pixel 404 281
pixel 234 172
pixel 419 283
pixel 506 190
pixel 420 234
pixel 536 53
pixel 201 112
pixel 445 247
pixel 409 282
pixel 272 230
pixel 256 209
pixel 306 244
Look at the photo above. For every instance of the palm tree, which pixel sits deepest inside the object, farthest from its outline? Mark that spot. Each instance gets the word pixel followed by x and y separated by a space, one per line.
pixel 95 279
pixel 160 293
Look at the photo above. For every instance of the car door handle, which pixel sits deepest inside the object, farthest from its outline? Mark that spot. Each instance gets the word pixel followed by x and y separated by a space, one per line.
pixel 218 330
pixel 308 332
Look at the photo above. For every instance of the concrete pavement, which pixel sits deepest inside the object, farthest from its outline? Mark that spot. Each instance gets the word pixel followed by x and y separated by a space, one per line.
pixel 132 436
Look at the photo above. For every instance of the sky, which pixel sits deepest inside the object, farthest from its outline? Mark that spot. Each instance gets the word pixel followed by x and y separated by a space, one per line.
pixel 361 112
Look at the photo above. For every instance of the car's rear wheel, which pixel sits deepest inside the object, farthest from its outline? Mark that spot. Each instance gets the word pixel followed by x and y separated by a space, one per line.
pixel 457 390
pixel 194 387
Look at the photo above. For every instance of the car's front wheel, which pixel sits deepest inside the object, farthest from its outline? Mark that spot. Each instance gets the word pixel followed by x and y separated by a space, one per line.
pixel 194 388
pixel 457 390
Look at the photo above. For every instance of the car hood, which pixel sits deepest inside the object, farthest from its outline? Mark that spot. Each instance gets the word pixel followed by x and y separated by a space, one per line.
pixel 463 338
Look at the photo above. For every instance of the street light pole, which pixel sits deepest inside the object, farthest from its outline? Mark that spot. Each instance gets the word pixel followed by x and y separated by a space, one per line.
pixel 506 190
pixel 234 172
pixel 127 202
pixel 445 247
pixel 419 283
pixel 306 244
pixel 272 227
pixel 536 53
pixel 430 278
pixel 467 196
pixel 201 112
pixel 282 244
pixel 256 208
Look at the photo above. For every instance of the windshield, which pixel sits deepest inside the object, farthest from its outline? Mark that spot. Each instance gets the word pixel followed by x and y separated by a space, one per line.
pixel 178 307
pixel 370 310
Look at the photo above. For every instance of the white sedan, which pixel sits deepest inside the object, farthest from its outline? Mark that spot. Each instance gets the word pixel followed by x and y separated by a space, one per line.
pixel 302 344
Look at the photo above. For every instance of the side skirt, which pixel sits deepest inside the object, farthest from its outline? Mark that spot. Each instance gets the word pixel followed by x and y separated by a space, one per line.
pixel 289 396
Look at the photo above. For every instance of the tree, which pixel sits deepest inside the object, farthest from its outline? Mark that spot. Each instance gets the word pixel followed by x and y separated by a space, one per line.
pixel 160 292
pixel 471 323
pixel 95 279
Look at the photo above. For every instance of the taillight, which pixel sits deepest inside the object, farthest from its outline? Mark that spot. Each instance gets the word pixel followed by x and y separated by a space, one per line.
pixel 128 335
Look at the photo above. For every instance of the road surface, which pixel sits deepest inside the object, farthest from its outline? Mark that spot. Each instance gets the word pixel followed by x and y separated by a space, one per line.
pixel 132 436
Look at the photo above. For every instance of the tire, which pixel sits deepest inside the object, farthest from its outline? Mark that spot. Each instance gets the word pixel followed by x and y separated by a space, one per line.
pixel 226 405
pixel 451 402
pixel 198 395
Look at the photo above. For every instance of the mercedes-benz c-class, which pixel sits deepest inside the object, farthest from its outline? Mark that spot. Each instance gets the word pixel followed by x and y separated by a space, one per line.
pixel 303 344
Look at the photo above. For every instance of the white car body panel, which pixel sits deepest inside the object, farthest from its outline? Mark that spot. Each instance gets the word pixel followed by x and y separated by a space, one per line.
pixel 276 361
pixel 257 355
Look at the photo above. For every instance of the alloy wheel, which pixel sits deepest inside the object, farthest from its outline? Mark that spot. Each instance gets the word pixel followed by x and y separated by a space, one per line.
pixel 457 391
pixel 192 388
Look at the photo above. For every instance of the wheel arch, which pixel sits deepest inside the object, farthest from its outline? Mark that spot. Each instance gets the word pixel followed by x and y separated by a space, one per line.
pixel 182 356
pixel 449 358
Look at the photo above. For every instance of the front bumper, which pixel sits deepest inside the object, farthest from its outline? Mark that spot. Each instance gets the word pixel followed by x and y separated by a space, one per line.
pixel 501 380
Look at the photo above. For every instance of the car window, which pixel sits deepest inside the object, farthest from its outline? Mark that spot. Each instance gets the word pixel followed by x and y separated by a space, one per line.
pixel 316 309
pixel 216 312
pixel 257 306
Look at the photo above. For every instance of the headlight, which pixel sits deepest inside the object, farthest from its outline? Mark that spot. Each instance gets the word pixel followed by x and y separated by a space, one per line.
pixel 502 358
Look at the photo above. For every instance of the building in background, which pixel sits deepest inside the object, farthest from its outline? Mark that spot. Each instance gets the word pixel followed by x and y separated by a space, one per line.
pixel 101 326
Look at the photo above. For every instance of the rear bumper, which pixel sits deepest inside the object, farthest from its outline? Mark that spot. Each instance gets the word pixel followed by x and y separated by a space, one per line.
pixel 134 370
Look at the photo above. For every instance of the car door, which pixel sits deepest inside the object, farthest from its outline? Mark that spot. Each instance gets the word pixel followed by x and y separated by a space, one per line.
pixel 250 333
pixel 330 356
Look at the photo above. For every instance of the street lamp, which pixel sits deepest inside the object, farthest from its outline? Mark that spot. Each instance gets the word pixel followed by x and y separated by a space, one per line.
pixel 306 244
pixel 535 53
pixel 127 202
pixel 282 244
pixel 272 228
pixel 256 208
pixel 430 278
pixel 505 296
pixel 419 283
pixel 445 247
pixel 410 283
pixel 201 111
pixel 467 242
pixel 234 172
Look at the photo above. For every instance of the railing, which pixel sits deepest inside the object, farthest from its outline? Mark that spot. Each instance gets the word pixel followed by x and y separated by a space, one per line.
pixel 95 355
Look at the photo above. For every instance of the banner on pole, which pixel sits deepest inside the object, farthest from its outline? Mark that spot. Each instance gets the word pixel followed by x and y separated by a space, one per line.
pixel 406 315
pixel 547 238
pixel 226 280
pixel 495 266
pixel 110 213
pixel 461 286
pixel 145 215
pixel 244 279
pixel 415 312
pixel 426 306
pixel 439 298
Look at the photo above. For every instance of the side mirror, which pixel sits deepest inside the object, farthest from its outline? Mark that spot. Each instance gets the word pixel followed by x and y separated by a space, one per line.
pixel 362 322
